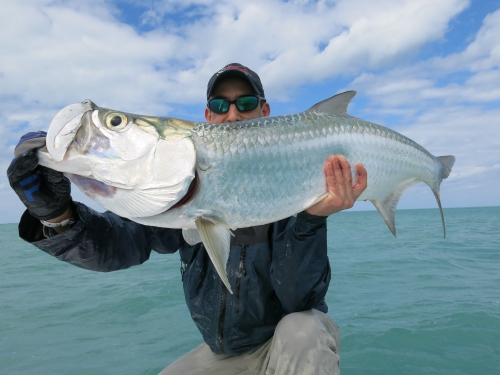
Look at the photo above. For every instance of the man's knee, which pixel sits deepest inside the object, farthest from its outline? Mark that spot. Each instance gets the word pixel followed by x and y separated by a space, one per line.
pixel 297 325
pixel 308 329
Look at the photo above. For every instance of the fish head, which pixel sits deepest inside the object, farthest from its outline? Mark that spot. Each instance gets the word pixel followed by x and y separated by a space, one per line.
pixel 132 165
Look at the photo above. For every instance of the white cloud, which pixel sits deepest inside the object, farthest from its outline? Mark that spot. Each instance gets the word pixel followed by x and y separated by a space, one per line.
pixel 61 51
pixel 460 118
pixel 58 52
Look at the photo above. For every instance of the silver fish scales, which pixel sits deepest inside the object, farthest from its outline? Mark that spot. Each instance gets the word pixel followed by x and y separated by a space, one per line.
pixel 210 178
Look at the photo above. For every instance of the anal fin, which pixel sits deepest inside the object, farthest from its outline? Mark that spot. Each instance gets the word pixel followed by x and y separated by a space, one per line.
pixel 388 212
pixel 387 206
pixel 217 240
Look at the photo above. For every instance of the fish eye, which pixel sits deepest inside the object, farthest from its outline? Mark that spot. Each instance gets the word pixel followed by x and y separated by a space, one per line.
pixel 116 121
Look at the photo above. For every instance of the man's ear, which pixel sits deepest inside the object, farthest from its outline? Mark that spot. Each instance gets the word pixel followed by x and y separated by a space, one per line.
pixel 208 115
pixel 266 109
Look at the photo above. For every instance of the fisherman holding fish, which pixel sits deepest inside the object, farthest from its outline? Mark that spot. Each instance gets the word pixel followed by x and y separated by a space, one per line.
pixel 275 320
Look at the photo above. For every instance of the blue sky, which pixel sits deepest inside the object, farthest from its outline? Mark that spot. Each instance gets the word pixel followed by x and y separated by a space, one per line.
pixel 428 69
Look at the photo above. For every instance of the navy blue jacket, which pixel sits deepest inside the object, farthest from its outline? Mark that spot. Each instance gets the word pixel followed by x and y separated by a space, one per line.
pixel 274 269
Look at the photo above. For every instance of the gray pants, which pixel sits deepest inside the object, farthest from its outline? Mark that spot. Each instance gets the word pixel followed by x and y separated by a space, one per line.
pixel 305 343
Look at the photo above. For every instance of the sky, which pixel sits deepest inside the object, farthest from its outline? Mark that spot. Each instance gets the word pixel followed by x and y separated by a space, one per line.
pixel 425 68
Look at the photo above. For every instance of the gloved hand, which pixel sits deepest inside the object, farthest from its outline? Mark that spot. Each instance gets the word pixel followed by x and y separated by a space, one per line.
pixel 44 192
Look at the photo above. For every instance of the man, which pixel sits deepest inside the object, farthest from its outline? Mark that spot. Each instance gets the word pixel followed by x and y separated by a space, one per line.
pixel 275 322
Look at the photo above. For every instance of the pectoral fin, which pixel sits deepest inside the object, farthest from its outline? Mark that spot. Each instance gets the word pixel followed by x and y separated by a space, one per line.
pixel 217 240
pixel 191 236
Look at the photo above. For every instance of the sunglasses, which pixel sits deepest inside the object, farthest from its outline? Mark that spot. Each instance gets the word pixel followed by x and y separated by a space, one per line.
pixel 243 104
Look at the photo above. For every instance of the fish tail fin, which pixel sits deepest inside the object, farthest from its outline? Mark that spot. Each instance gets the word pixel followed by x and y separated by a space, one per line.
pixel 438 199
pixel 387 206
pixel 446 165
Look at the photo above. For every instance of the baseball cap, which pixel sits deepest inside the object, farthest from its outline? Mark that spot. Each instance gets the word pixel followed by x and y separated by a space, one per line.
pixel 236 70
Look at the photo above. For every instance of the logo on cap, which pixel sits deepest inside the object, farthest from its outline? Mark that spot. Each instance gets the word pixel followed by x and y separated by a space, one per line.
pixel 233 67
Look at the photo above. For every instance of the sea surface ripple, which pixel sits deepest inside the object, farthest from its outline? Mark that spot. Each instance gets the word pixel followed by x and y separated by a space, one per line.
pixel 415 304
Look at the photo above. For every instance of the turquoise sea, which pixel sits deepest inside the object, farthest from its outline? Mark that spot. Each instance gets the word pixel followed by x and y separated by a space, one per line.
pixel 415 304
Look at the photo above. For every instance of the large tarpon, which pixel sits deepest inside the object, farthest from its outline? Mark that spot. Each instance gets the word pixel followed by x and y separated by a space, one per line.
pixel 210 178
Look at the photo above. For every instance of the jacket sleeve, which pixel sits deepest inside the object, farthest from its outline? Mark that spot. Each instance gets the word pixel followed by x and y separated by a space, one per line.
pixel 300 269
pixel 101 241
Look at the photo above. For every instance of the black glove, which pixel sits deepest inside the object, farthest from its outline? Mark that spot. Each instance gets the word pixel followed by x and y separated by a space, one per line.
pixel 45 192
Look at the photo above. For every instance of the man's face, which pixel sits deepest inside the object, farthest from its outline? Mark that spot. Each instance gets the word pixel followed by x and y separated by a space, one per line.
pixel 232 88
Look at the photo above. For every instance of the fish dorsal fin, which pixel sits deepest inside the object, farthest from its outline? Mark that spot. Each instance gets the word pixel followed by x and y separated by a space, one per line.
pixel 336 105
pixel 191 236
pixel 216 237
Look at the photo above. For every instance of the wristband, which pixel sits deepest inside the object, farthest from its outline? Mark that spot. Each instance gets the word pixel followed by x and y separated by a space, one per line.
pixel 57 225
pixel 69 221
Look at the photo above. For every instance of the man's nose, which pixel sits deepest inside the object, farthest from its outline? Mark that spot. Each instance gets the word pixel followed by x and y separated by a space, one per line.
pixel 233 114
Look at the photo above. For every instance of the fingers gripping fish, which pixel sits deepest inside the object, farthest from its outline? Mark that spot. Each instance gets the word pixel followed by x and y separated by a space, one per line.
pixel 209 179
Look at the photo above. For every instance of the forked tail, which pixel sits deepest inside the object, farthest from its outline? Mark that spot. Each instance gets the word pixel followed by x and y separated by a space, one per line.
pixel 387 206
pixel 446 165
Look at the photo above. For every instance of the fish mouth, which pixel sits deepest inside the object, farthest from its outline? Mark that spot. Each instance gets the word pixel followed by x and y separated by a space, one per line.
pixel 64 127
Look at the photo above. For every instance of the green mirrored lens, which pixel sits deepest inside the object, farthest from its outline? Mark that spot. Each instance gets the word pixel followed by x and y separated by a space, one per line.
pixel 247 103
pixel 219 105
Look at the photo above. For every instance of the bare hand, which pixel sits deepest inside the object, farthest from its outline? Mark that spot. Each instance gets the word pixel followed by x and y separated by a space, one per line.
pixel 341 193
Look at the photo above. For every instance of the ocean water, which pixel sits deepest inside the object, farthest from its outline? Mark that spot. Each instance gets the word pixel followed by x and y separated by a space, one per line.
pixel 415 304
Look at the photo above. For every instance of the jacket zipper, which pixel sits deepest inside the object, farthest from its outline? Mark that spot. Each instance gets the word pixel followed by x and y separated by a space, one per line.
pixel 222 318
pixel 241 272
